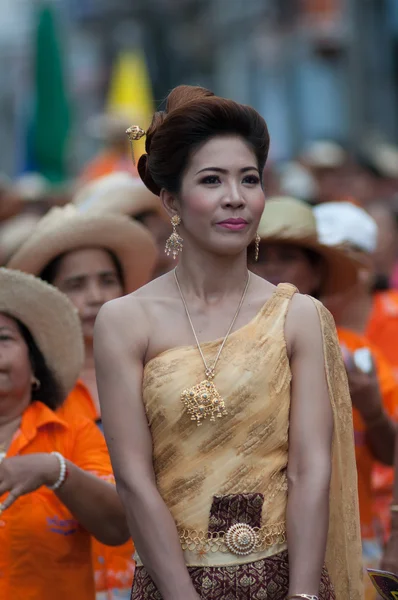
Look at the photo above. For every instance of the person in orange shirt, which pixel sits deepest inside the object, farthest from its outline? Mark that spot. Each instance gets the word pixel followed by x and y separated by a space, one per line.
pixel 382 324
pixel 116 153
pixel 122 194
pixel 390 557
pixel 56 482
pixel 367 313
pixel 370 307
pixel 290 251
pixel 92 259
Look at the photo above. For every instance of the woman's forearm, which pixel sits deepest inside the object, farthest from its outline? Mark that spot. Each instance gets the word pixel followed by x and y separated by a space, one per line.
pixel 155 536
pixel 307 529
pixel 95 505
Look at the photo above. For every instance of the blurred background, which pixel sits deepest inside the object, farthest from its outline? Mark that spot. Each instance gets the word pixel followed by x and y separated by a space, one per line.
pixel 324 74
pixel 313 68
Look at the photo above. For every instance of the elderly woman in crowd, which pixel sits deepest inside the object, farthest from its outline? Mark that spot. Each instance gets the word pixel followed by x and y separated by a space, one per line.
pixel 55 475
pixel 92 259
pixel 291 251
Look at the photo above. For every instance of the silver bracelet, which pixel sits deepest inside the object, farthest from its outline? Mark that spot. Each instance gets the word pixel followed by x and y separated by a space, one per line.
pixel 306 596
pixel 62 472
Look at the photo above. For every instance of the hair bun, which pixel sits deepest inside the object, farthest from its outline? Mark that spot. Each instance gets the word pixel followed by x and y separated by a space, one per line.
pixel 184 94
pixel 142 167
pixel 156 122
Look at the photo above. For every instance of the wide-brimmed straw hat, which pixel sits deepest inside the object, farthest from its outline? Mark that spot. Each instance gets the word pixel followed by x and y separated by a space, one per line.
pixel 51 319
pixel 290 221
pixel 14 232
pixel 118 193
pixel 65 229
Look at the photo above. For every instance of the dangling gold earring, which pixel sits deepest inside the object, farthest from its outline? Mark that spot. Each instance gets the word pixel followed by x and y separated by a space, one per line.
pixel 174 242
pixel 257 241
pixel 35 384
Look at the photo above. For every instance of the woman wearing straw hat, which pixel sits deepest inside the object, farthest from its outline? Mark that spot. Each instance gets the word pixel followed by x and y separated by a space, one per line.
pixel 291 250
pixel 121 193
pixel 92 259
pixel 55 475
pixel 213 399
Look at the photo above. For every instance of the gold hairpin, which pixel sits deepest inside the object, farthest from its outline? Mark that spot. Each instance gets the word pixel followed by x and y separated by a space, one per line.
pixel 134 133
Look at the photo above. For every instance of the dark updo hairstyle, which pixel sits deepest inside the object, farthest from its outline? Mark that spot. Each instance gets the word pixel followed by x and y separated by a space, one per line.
pixel 193 115
pixel 49 391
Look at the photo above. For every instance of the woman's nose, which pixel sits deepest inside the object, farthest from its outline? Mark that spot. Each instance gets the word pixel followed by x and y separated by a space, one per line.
pixel 234 197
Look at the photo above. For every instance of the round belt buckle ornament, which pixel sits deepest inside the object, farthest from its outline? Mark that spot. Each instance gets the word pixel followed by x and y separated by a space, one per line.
pixel 241 539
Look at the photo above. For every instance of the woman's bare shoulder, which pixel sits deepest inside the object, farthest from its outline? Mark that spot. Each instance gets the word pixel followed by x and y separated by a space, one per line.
pixel 134 311
pixel 302 320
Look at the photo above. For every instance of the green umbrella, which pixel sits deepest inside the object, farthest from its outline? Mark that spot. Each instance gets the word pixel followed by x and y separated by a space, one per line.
pixel 51 120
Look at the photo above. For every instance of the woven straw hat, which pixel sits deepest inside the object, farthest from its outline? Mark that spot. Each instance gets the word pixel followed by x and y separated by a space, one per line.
pixel 14 232
pixel 291 221
pixel 119 193
pixel 65 229
pixel 51 319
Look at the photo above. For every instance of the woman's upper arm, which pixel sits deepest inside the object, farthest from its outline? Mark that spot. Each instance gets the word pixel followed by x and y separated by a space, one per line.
pixel 119 348
pixel 311 416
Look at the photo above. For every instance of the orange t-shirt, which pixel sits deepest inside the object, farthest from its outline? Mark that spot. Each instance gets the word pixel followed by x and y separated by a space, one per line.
pixel 44 551
pixel 364 457
pixel 80 403
pixel 113 566
pixel 382 329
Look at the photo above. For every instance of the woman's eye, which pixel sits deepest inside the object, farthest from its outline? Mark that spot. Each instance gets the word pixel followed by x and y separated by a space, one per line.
pixel 5 338
pixel 111 280
pixel 73 286
pixel 251 179
pixel 211 179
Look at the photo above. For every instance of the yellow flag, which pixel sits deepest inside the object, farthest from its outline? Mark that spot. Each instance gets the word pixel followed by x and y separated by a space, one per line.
pixel 130 93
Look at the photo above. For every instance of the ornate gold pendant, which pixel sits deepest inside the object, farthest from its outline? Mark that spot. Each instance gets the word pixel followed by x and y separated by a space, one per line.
pixel 203 400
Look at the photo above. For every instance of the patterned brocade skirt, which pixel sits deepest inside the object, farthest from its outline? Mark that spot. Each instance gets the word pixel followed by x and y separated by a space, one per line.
pixel 266 579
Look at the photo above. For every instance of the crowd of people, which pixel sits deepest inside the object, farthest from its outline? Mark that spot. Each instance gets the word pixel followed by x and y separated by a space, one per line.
pixel 292 490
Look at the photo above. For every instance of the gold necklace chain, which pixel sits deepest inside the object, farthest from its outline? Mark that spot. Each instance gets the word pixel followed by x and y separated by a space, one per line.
pixel 203 400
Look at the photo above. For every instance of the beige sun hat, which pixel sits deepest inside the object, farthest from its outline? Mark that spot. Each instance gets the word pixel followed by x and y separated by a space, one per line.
pixel 290 221
pixel 14 231
pixel 65 229
pixel 51 319
pixel 118 193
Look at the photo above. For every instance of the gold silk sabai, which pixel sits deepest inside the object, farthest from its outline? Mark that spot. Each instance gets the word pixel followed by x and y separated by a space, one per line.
pixel 246 451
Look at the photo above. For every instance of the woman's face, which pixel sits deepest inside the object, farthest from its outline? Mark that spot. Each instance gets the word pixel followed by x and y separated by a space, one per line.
pixel 221 199
pixel 89 278
pixel 16 375
pixel 285 263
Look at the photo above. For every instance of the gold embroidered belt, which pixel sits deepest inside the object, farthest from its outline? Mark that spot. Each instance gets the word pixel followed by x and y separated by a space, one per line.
pixel 240 544
pixel 240 539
